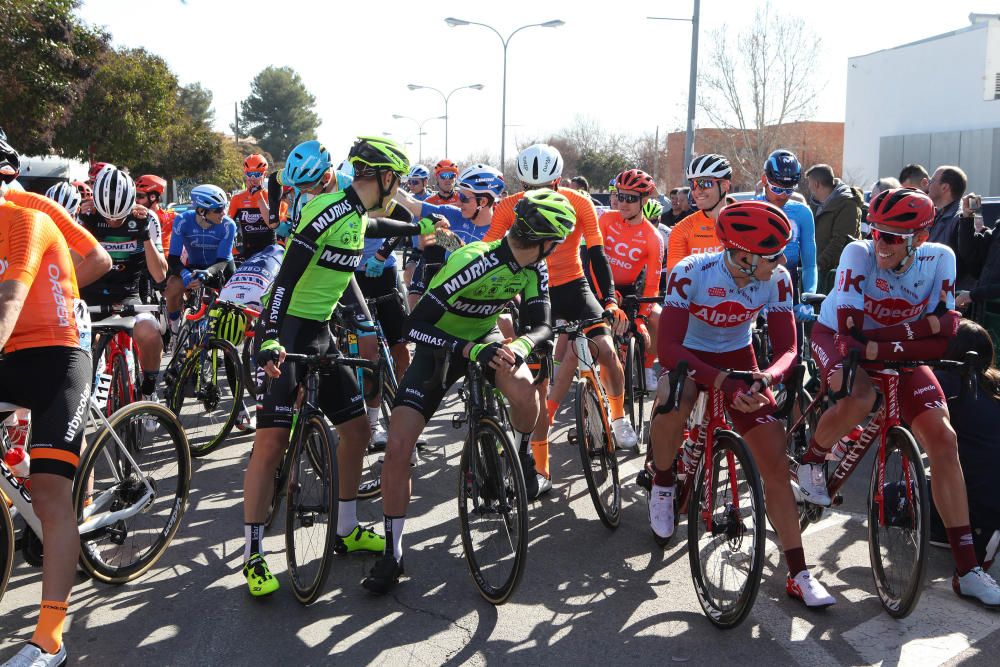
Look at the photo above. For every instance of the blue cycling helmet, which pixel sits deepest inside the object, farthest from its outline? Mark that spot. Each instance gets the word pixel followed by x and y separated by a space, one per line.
pixel 208 196
pixel 483 180
pixel 783 169
pixel 611 185
pixel 306 164
pixel 419 171
pixel 345 175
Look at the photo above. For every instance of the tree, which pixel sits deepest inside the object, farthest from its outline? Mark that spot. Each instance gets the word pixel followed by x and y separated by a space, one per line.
pixel 754 90
pixel 197 101
pixel 50 58
pixel 279 112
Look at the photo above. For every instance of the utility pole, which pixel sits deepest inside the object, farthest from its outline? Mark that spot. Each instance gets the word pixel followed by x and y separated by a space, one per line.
pixel 692 81
pixel 236 125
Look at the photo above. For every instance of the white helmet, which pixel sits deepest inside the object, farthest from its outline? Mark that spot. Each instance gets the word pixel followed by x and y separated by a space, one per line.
pixel 709 165
pixel 114 192
pixel 66 196
pixel 539 164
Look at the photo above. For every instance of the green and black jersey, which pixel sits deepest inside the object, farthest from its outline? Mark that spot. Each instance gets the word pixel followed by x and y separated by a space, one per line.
pixel 322 256
pixel 464 300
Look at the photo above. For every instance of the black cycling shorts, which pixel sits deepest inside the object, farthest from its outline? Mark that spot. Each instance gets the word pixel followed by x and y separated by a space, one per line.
pixel 340 397
pixel 390 314
pixel 414 391
pixel 54 383
pixel 575 301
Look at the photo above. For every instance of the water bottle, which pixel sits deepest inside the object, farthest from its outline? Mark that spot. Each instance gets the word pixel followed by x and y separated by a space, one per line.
pixel 839 450
pixel 18 461
pixel 17 428
pixel 130 360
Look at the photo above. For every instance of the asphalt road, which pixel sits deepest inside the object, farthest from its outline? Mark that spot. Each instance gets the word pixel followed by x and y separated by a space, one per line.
pixel 589 595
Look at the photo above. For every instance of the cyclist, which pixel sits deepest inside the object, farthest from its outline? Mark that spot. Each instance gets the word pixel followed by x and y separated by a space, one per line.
pixel 319 261
pixel 445 172
pixel 67 196
pixel 416 182
pixel 42 368
pixel 540 166
pixel 87 206
pixel 634 246
pixel 782 173
pixel 149 192
pixel 709 309
pixel 134 246
pixel 459 313
pixel 894 299
pixel 249 209
pixel 710 177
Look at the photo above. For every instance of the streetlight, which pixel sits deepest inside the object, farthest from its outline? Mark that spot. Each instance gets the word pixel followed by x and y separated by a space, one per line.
pixel 474 86
pixel 555 23
pixel 692 82
pixel 420 129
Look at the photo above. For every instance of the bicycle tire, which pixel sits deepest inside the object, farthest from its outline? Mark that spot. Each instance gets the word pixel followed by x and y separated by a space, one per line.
pixel 119 486
pixel 211 407
pixel 637 414
pixel 311 495
pixel 118 394
pixel 797 442
pixel 6 545
pixel 899 597
pixel 491 484
pixel 727 608
pixel 181 344
pixel 597 453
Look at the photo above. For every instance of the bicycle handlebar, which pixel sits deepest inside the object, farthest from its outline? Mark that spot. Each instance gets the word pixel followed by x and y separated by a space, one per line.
pixel 123 309
pixel 967 367
pixel 330 359
pixel 579 325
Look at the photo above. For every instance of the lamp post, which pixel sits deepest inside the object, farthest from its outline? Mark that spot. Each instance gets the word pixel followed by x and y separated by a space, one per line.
pixel 555 23
pixel 474 86
pixel 420 129
pixel 693 81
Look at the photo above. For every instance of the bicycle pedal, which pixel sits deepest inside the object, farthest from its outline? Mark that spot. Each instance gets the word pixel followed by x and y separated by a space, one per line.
pixel 457 421
pixel 838 500
pixel 571 436
pixel 645 480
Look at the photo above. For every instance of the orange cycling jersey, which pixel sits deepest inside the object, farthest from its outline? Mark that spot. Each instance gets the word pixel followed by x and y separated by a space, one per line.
pixel 437 200
pixel 694 235
pixel 33 252
pixel 630 249
pixel 564 262
pixel 166 225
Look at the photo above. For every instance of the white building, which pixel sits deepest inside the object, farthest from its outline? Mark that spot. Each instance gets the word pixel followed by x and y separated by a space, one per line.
pixel 933 102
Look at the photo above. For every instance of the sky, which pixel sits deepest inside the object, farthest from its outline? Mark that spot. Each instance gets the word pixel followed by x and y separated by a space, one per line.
pixel 608 62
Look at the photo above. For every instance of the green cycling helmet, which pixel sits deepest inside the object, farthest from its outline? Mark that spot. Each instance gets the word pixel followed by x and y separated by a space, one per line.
pixel 543 215
pixel 652 210
pixel 373 154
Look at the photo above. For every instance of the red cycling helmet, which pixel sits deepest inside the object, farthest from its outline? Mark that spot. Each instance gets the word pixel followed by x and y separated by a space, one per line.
pixel 95 168
pixel 445 165
pixel 757 227
pixel 903 208
pixel 635 180
pixel 84 190
pixel 149 183
pixel 255 163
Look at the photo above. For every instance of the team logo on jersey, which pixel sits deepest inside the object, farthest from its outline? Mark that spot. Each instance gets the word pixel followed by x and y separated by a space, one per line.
pixel 724 314
pixel 890 311
pixel 131 224
pixel 339 261
pixel 717 291
pixel 678 285
pixel 850 281
pixel 882 284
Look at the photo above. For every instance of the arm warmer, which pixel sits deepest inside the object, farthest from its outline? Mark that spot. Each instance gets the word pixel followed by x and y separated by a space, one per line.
pixel 781 331
pixel 600 268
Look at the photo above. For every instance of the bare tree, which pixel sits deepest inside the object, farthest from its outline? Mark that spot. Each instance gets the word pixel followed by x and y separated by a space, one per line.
pixel 753 90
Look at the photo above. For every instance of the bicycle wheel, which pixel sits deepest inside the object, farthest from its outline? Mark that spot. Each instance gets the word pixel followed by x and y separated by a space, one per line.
pixel 727 557
pixel 635 387
pixel 311 509
pixel 493 510
pixel 119 394
pixel 797 442
pixel 370 485
pixel 208 395
pixel 181 343
pixel 597 452
pixel 130 495
pixel 6 545
pixel 898 531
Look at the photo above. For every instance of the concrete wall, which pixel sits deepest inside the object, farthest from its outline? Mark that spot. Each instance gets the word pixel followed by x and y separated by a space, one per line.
pixel 977 152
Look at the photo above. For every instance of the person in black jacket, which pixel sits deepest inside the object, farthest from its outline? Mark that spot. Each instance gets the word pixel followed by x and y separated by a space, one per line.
pixel 978 252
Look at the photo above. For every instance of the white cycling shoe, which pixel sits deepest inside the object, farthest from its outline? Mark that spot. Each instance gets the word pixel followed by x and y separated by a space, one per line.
pixel 31 655
pixel 803 587
pixel 625 435
pixel 811 481
pixel 661 513
pixel 976 584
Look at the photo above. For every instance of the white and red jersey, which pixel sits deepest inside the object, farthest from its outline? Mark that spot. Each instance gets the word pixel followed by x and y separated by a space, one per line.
pixel 722 314
pixel 888 298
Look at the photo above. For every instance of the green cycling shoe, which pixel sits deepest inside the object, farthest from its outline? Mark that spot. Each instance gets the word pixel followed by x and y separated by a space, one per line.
pixel 259 579
pixel 360 539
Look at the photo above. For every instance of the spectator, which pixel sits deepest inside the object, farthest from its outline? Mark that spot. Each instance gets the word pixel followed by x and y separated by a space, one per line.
pixel 913 176
pixel 580 183
pixel 837 210
pixel 680 207
pixel 945 189
pixel 979 252
pixel 881 185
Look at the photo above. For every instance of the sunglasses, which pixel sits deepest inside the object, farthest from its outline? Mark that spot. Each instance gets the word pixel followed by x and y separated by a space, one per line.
pixel 415 181
pixel 628 199
pixel 889 238
pixel 447 175
pixel 702 183
pixel 779 190
pixel 253 174
pixel 141 195
pixel 771 259
pixel 462 197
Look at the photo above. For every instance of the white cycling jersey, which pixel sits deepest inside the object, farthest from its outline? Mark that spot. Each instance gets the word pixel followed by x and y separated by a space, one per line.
pixel 721 313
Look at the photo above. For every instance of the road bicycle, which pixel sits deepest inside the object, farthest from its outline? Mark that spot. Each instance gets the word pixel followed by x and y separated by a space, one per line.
pixel 116 353
pixel 632 352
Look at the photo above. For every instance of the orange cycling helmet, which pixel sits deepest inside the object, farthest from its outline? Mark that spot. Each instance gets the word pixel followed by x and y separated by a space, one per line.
pixel 255 163
pixel 445 165
pixel 904 208
pixel 84 190
pixel 636 180
pixel 757 227
pixel 149 183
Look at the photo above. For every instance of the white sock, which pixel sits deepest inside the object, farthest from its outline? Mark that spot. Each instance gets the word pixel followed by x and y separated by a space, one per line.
pixel 252 532
pixel 394 533
pixel 347 516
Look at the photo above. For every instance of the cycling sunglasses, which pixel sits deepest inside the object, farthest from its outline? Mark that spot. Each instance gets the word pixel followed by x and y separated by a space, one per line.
pixel 703 183
pixel 889 238
pixel 780 190
pixel 447 175
pixel 462 197
pixel 771 259
pixel 415 181
pixel 253 174
pixel 628 199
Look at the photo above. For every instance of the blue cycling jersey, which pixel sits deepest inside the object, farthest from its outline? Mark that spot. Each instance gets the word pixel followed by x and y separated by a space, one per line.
pixel 801 250
pixel 204 247
pixel 462 227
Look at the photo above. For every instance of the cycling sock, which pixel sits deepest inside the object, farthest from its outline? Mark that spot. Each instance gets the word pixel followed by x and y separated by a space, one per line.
pixel 253 534
pixel 663 477
pixel 521 440
pixel 551 408
pixel 394 536
pixel 540 451
pixel 373 414
pixel 148 382
pixel 795 559
pixel 347 516
pixel 962 549
pixel 617 406
pixel 48 632
pixel 815 453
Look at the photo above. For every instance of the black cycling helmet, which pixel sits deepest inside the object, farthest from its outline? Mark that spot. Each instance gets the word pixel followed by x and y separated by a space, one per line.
pixel 783 169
